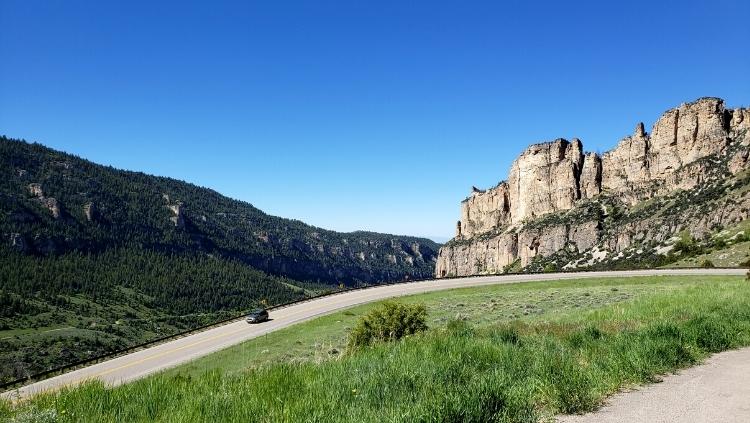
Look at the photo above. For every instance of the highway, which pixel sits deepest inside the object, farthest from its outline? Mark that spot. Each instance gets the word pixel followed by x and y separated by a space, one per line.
pixel 169 354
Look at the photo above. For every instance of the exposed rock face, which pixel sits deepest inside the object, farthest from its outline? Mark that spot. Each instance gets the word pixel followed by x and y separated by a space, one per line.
pixel 484 210
pixel 688 133
pixel 47 202
pixel 489 256
pixel 36 190
pixel 591 176
pixel 626 163
pixel 545 179
pixel 681 136
pixel 52 205
pixel 558 176
pixel 89 210
pixel 740 119
pixel 178 215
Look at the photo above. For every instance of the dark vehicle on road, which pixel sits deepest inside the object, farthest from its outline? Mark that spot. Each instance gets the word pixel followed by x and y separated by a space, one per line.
pixel 257 316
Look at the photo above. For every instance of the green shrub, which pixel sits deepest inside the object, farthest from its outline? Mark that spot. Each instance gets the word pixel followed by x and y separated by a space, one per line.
pixel 688 246
pixel 388 322
pixel 549 268
pixel 707 264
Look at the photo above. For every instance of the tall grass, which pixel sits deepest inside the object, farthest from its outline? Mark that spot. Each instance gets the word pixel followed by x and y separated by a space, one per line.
pixel 515 372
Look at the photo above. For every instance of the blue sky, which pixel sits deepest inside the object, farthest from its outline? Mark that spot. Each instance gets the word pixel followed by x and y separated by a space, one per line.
pixel 355 115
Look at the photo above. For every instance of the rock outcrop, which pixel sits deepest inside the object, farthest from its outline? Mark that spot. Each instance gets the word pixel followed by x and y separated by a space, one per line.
pixel 48 203
pixel 178 214
pixel 500 226
pixel 680 137
pixel 545 178
pixel 89 211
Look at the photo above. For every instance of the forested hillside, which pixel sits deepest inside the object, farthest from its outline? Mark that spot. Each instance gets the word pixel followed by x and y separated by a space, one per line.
pixel 94 258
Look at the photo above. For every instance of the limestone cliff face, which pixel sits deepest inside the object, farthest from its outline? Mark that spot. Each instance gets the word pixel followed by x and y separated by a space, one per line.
pixel 545 179
pixel 484 210
pixel 680 137
pixel 499 227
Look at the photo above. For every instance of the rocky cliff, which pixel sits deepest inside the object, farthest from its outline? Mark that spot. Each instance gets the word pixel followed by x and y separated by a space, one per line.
pixel 560 200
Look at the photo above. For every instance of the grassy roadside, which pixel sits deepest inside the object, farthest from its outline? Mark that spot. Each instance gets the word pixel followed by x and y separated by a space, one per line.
pixel 325 338
pixel 515 370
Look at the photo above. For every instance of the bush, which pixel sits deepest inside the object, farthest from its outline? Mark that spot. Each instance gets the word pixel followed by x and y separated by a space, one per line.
pixel 550 268
pixel 688 246
pixel 388 322
pixel 707 264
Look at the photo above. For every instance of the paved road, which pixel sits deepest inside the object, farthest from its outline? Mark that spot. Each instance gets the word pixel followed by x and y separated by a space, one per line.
pixel 141 363
pixel 715 392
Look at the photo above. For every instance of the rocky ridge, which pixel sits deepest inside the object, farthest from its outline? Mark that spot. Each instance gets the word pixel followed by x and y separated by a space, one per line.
pixel 560 200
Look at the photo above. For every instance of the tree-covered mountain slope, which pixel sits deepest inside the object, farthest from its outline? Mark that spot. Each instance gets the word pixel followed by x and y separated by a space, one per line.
pixel 54 203
pixel 94 258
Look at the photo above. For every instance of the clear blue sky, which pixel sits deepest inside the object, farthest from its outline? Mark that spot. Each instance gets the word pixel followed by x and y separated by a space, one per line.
pixel 355 115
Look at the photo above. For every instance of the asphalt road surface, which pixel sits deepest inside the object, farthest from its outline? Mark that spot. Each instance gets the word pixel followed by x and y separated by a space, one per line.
pixel 144 362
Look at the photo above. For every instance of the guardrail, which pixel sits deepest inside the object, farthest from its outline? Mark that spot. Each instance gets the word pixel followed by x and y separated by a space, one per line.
pixel 113 354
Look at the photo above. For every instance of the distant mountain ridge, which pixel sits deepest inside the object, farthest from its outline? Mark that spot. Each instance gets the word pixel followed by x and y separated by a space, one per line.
pixel 563 208
pixel 55 202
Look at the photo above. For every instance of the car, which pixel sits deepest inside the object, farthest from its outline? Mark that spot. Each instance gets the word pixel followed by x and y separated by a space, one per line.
pixel 257 316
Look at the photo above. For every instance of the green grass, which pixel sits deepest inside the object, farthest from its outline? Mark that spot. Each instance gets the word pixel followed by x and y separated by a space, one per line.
pixel 522 370
pixel 326 337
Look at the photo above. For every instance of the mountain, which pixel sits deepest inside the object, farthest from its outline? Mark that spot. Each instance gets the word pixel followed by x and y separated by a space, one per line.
pixel 55 203
pixel 657 198
pixel 95 258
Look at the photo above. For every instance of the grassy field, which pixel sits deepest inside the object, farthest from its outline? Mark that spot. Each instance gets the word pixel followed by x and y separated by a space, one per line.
pixel 517 353
pixel 325 338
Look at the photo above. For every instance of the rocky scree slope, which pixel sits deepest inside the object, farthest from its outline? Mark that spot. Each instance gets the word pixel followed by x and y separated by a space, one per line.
pixel 652 198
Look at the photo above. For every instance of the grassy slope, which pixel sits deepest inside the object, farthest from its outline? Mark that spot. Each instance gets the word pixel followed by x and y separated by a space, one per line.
pixel 521 370
pixel 733 254
pixel 325 337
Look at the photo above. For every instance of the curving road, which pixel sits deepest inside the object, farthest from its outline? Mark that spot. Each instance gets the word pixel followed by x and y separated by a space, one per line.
pixel 144 362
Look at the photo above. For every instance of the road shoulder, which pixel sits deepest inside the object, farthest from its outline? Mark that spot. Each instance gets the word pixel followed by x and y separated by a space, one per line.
pixel 716 391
